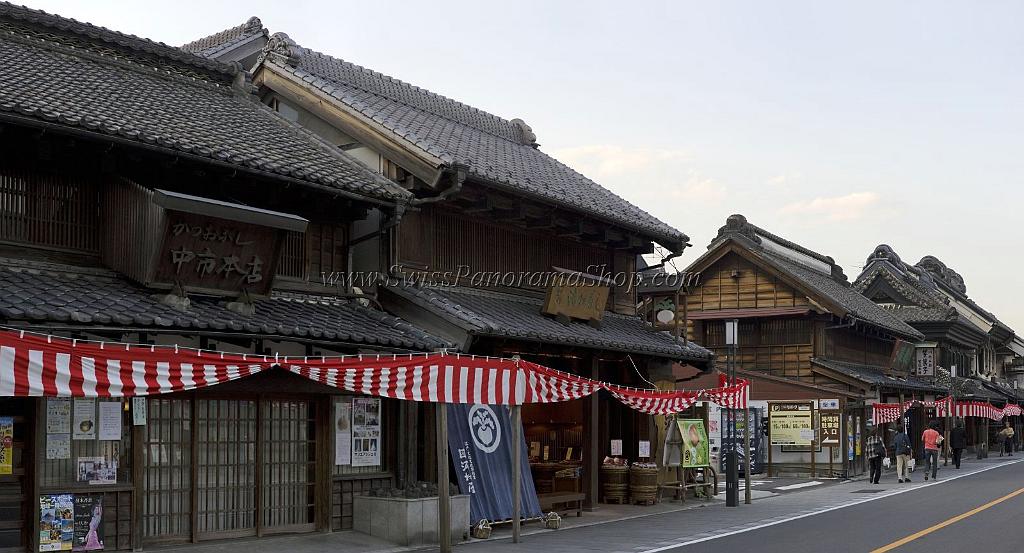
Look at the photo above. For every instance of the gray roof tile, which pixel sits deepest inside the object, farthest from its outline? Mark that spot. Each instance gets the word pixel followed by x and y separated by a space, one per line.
pixel 875 376
pixel 489 313
pixel 60 294
pixel 499 151
pixel 217 43
pixel 76 75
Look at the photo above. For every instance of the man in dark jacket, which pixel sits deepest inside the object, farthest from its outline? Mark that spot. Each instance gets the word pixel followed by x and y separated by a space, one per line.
pixel 902 446
pixel 957 442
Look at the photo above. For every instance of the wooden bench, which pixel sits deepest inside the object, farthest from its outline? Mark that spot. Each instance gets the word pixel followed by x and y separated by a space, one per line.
pixel 549 500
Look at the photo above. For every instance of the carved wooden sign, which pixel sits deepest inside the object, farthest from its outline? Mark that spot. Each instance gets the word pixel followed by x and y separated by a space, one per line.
pixel 903 357
pixel 577 296
pixel 209 253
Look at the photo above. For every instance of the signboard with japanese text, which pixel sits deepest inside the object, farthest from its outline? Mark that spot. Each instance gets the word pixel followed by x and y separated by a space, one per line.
pixel 925 365
pixel 577 296
pixel 791 423
pixel 6 445
pixel 830 428
pixel 208 253
pixel 478 441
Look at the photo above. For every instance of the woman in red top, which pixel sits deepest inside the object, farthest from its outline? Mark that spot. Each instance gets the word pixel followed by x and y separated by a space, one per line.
pixel 931 439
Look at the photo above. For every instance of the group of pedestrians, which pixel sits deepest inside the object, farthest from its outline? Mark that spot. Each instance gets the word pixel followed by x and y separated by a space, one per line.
pixel 932 439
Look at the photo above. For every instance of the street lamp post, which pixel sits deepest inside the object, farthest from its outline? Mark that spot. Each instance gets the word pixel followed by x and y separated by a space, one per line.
pixel 731 474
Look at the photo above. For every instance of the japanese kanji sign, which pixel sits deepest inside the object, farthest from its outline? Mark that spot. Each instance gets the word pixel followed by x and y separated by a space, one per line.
pixel 216 254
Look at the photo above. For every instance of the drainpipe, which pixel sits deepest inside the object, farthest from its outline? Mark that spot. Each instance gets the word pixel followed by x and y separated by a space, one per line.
pixel 457 177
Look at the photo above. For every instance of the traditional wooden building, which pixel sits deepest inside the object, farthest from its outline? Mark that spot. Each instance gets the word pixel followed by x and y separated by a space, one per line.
pixel 493 219
pixel 147 196
pixel 804 332
pixel 959 333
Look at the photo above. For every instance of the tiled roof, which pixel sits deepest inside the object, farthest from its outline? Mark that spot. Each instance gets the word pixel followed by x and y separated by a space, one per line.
pixel 51 293
pixel 497 151
pixel 213 45
pixel 875 376
pixel 70 75
pixel 817 272
pixel 488 313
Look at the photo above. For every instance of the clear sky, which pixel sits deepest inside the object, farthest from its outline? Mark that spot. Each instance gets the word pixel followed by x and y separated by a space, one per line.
pixel 837 125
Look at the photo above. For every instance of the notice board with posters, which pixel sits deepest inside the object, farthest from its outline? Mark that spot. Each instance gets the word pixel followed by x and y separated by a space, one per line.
pixel 791 423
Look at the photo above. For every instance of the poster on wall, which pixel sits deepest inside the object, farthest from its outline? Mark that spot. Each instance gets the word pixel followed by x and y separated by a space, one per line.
pixel 88 523
pixel 856 438
pixel 110 420
pixel 6 445
pixel 84 424
pixel 696 452
pixel 365 432
pixel 342 433
pixel 56 522
pixel 58 415
pixel 58 446
pixel 849 436
pixel 139 411
pixel 791 423
pixel 97 470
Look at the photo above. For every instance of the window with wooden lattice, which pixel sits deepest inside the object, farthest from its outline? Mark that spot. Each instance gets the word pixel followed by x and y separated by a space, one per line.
pixel 49 211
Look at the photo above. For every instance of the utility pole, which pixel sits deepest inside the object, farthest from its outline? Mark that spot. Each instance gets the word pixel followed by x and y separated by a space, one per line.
pixel 731 472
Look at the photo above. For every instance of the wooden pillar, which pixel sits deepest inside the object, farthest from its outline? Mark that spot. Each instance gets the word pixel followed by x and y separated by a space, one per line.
pixel 138 437
pixel 746 455
pixel 38 452
pixel 517 470
pixel 444 515
pixel 594 457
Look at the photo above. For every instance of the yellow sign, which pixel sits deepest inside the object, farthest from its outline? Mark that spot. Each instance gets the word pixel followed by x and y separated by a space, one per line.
pixel 791 423
pixel 6 445
pixel 576 298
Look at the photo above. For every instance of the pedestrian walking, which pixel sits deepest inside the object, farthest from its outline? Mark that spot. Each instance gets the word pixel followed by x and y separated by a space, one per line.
pixel 957 442
pixel 1006 437
pixel 931 439
pixel 876 447
pixel 901 445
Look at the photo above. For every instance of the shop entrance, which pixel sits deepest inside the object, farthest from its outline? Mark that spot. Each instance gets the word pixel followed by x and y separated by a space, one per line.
pixel 14 487
pixel 247 469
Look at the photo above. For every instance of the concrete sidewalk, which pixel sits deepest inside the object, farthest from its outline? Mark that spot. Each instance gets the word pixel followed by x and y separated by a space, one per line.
pixel 624 527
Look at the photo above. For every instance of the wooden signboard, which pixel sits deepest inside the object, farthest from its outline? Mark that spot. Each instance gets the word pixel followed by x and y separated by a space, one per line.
pixel 903 356
pixel 577 296
pixel 208 253
pixel 925 362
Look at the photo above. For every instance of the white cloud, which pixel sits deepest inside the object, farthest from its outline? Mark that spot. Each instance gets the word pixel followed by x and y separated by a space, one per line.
pixel 850 207
pixel 602 161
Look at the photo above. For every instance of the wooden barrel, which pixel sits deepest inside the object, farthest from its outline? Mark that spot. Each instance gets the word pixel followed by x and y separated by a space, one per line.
pixel 643 484
pixel 615 483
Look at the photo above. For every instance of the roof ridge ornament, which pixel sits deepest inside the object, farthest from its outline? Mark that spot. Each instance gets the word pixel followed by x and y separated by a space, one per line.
pixel 526 135
pixel 282 49
pixel 252 25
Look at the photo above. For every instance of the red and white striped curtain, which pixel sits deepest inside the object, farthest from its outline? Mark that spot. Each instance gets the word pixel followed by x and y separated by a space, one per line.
pixel 882 413
pixel 34 365
pixel 37 365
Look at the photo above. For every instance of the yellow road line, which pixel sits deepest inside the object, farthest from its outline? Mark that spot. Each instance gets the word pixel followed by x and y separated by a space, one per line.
pixel 946 523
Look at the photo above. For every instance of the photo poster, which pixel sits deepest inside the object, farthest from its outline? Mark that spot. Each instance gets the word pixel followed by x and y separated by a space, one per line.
pixel 56 522
pixel 695 443
pixel 84 423
pixel 365 432
pixel 88 523
pixel 6 445
pixel 58 415
pixel 110 420
pixel 97 470
pixel 342 433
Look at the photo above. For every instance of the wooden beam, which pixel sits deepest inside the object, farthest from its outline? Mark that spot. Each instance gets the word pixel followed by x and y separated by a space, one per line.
pixel 444 514
pixel 517 471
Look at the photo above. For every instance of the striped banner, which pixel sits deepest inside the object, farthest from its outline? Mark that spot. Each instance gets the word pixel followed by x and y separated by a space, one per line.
pixel 39 365
pixel 882 413
pixel 34 365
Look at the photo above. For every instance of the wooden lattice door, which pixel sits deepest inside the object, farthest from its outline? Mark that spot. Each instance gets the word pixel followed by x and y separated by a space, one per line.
pixel 226 445
pixel 288 461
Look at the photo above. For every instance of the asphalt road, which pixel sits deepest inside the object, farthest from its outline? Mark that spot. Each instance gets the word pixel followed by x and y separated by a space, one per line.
pixel 965 514
pixel 965 510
